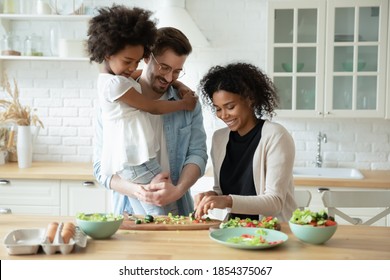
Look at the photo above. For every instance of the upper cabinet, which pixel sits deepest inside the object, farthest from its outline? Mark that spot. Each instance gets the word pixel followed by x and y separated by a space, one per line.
pixel 328 58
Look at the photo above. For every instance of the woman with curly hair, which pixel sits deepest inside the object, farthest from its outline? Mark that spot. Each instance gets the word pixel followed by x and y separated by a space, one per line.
pixel 119 38
pixel 252 157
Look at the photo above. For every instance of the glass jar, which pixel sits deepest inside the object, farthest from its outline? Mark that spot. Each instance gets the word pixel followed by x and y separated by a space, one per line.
pixel 36 45
pixel 33 45
pixel 8 6
pixel 27 46
pixel 43 7
pixel 10 45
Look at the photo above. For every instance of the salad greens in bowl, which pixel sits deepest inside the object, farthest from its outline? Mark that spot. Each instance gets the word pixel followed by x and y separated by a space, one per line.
pixel 99 225
pixel 312 227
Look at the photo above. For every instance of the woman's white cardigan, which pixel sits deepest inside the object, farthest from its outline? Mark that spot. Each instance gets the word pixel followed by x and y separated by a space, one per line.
pixel 272 173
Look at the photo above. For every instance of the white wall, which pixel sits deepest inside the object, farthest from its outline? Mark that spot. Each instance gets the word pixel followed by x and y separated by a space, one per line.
pixel 64 92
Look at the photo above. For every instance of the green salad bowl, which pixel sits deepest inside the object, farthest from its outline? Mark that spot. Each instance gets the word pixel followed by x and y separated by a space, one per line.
pixel 312 234
pixel 99 228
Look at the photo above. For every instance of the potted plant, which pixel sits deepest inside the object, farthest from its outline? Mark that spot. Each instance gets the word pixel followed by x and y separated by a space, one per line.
pixel 24 118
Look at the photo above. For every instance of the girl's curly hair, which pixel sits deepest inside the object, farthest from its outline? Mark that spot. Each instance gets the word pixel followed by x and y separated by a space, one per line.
pixel 118 26
pixel 243 79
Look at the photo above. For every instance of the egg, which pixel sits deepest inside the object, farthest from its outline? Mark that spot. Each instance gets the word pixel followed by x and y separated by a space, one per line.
pixel 51 231
pixel 68 232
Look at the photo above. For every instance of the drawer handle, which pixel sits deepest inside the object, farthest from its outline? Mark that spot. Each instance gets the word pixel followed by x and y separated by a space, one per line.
pixel 320 190
pixel 5 211
pixel 88 183
pixel 4 182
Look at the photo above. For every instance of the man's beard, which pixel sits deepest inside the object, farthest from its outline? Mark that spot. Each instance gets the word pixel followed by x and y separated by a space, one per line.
pixel 158 87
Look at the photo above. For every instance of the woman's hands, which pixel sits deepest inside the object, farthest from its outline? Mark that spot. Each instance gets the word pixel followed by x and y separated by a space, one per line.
pixel 209 200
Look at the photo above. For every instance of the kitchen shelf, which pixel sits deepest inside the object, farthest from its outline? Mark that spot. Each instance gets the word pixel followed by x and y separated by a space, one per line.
pixel 7 19
pixel 25 17
pixel 40 58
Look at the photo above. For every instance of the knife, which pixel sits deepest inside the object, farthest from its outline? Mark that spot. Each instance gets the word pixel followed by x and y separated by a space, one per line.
pixel 192 215
pixel 227 217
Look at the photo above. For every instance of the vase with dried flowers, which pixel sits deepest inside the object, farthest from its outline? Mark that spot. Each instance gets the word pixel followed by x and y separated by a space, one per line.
pixel 23 118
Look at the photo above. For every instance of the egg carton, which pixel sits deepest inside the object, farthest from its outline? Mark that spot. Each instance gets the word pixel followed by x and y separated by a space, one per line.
pixel 29 241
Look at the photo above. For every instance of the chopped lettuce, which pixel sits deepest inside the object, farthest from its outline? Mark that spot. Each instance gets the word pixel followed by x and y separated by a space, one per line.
pixel 304 217
pixel 99 217
pixel 251 240
pixel 266 222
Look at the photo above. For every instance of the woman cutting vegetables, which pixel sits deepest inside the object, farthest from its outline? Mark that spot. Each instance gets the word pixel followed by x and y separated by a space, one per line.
pixel 252 157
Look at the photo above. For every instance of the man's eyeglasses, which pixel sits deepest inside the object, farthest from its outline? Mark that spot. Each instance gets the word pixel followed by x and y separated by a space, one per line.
pixel 165 69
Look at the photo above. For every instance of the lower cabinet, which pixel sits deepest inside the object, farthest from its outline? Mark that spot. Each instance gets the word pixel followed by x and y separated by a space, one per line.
pixel 361 213
pixel 53 197
pixel 30 197
pixel 86 196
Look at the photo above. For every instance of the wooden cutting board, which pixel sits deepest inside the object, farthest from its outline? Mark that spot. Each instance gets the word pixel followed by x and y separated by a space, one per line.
pixel 129 224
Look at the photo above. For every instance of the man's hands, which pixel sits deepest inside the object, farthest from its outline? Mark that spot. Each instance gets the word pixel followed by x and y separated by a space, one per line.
pixel 159 192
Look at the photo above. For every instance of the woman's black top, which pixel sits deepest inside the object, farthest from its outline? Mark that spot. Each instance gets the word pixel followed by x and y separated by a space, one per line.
pixel 236 175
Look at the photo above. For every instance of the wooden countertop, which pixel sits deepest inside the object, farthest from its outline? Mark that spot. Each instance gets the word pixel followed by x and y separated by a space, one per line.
pixel 48 170
pixel 349 242
pixel 372 179
pixel 84 171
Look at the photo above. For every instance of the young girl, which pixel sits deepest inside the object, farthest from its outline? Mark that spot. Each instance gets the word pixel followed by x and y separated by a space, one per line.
pixel 119 38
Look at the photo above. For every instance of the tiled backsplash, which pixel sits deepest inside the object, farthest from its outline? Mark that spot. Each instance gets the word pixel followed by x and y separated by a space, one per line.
pixel 65 96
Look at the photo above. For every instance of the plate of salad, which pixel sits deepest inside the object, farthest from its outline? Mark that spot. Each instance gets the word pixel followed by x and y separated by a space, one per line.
pixel 266 222
pixel 248 238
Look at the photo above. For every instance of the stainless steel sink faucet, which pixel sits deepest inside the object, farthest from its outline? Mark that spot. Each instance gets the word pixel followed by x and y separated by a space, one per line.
pixel 320 138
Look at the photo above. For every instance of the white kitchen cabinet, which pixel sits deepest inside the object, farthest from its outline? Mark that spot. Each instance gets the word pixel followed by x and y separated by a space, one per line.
pixel 388 78
pixel 316 204
pixel 53 197
pixel 328 58
pixel 62 22
pixel 30 197
pixel 83 196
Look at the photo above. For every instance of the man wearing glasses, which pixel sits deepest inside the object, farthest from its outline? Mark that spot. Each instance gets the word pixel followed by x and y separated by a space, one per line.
pixel 181 135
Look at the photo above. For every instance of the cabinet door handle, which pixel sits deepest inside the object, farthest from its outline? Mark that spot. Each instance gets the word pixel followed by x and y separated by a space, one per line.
pixel 5 211
pixel 4 182
pixel 320 190
pixel 88 183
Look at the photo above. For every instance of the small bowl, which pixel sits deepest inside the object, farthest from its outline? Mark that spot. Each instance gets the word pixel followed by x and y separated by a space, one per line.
pixel 311 234
pixel 288 67
pixel 99 229
pixel 348 65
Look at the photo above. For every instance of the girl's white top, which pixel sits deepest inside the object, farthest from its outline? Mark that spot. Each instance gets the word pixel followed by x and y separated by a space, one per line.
pixel 128 137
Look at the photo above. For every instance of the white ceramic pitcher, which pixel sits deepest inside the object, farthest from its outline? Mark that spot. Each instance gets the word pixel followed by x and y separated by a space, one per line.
pixel 24 145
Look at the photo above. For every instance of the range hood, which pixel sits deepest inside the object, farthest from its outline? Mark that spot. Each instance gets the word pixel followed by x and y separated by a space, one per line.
pixel 173 13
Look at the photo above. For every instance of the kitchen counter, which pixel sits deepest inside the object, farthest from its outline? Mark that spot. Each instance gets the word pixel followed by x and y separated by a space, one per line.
pixel 84 171
pixel 349 242
pixel 372 179
pixel 48 170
